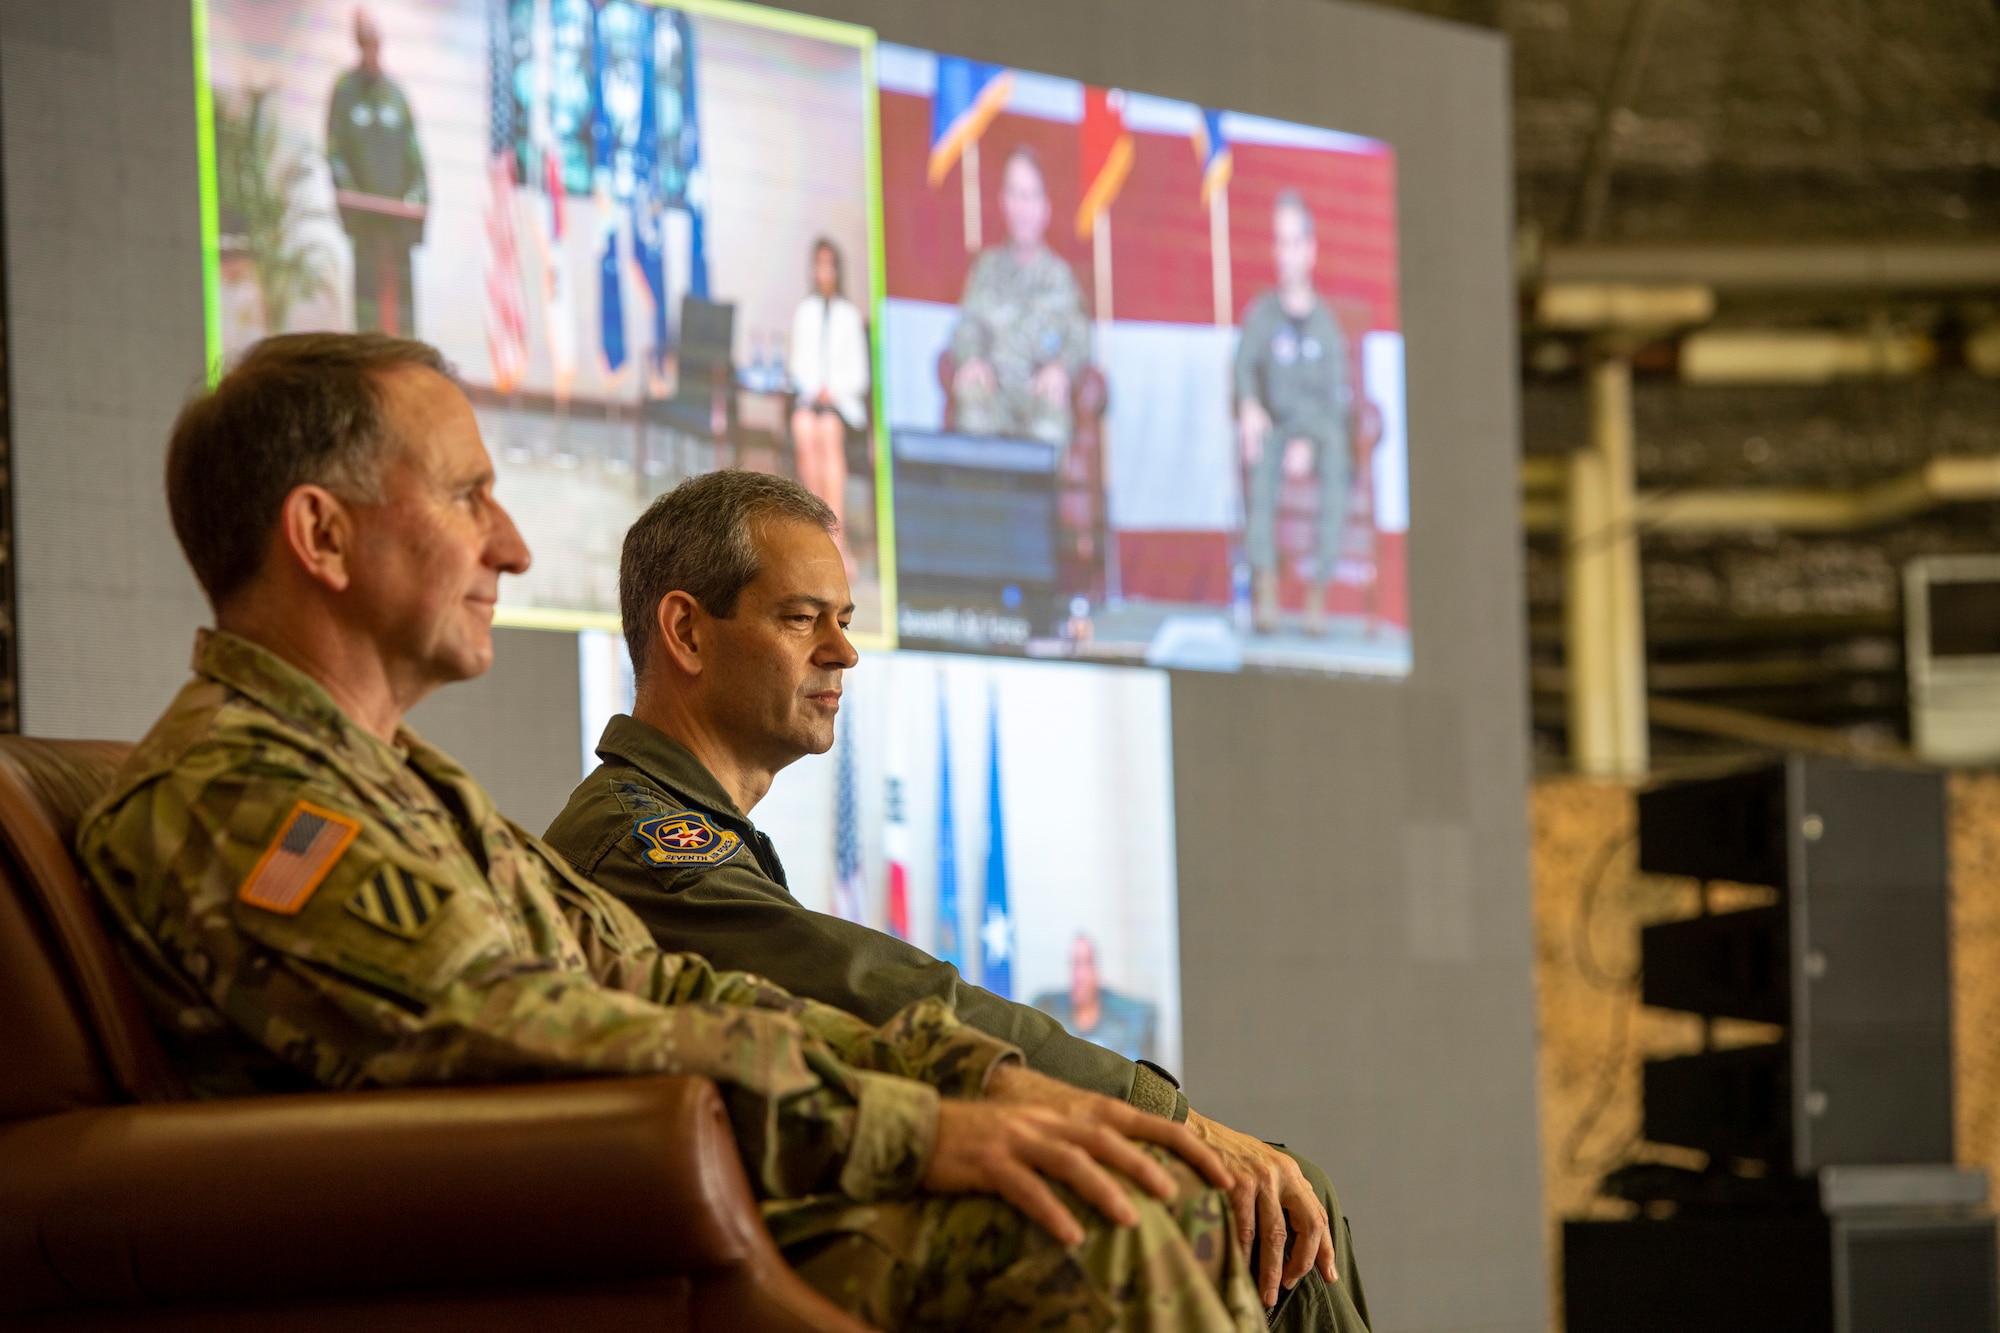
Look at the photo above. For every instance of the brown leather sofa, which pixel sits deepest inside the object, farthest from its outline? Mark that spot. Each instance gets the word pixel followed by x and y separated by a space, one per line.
pixel 605 1205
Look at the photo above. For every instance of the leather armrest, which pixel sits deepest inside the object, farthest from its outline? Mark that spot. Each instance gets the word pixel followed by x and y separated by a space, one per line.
pixel 360 1193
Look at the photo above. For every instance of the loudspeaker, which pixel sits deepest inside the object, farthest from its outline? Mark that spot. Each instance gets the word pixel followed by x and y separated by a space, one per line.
pixel 1868 1271
pixel 1853 961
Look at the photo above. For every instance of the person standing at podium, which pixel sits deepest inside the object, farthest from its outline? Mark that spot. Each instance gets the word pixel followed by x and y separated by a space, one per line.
pixel 379 183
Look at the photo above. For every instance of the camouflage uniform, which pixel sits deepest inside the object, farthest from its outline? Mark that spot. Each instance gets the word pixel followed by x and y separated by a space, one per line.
pixel 1297 370
pixel 361 913
pixel 1018 318
pixel 728 901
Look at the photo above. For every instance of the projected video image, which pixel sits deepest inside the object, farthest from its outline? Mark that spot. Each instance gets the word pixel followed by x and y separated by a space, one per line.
pixel 1143 376
pixel 1015 818
pixel 642 234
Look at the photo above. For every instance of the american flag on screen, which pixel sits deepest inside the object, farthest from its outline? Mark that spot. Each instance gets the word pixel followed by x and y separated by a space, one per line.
pixel 306 848
pixel 506 312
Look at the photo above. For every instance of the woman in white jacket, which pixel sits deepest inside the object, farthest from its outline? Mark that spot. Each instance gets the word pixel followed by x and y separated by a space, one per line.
pixel 829 370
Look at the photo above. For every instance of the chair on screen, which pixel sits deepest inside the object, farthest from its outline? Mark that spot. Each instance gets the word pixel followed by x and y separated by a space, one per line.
pixel 1081 513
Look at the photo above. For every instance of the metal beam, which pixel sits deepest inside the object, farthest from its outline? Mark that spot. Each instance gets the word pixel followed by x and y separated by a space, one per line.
pixel 1939 482
pixel 1835 266
pixel 1770 732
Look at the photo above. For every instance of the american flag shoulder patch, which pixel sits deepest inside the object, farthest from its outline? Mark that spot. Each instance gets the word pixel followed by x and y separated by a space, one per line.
pixel 394 900
pixel 308 845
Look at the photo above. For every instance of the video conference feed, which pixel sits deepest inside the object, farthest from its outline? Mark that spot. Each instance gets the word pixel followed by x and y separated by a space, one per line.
pixel 642 235
pixel 1015 818
pixel 1142 375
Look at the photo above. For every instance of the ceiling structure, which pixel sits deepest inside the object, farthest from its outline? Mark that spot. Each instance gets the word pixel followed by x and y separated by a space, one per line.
pixel 1785 126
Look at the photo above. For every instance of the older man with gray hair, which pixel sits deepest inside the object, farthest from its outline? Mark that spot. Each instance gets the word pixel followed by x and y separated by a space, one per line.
pixel 315 897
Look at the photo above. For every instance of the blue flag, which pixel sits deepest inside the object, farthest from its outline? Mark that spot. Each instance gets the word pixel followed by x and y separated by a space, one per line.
pixel 947 865
pixel 849 883
pixel 969 95
pixel 996 930
pixel 1212 151
pixel 611 303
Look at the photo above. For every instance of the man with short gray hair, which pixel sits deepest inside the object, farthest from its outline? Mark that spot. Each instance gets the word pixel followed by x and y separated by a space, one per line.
pixel 736 606
pixel 314 897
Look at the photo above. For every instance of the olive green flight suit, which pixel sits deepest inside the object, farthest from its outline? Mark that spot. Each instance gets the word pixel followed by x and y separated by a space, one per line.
pixel 300 898
pixel 726 900
pixel 1296 369
pixel 371 148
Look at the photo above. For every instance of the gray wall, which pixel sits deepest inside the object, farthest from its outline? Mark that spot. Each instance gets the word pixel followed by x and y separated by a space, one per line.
pixel 1355 931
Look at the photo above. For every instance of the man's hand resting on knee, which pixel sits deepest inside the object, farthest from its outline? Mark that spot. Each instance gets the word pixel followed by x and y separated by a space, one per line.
pixel 1272 1199
pixel 988 1147
pixel 1018 1085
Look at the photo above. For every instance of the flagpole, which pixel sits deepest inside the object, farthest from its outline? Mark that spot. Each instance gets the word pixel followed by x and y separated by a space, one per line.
pixel 1218 256
pixel 1100 257
pixel 968 175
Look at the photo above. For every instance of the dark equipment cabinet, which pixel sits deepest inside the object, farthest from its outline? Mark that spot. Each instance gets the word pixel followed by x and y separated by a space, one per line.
pixel 1830 1203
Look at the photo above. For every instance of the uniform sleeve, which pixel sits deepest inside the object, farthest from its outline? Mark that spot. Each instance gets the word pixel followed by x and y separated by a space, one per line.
pixel 396 969
pixel 1250 338
pixel 418 190
pixel 336 148
pixel 735 918
pixel 1343 392
pixel 972 337
pixel 1072 325
pixel 923 1040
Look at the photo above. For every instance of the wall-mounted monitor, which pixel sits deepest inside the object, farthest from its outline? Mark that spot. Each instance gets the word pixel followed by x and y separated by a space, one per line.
pixel 1142 374
pixel 646 236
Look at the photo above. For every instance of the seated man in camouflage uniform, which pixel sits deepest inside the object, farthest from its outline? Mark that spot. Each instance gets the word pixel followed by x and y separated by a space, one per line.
pixel 313 896
pixel 735 601
pixel 1021 338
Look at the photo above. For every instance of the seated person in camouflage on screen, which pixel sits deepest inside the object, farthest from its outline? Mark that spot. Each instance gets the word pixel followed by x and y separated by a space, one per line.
pixel 735 601
pixel 313 896
pixel 1022 338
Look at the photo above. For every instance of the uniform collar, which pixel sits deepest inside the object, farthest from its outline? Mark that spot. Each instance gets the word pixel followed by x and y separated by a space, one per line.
pixel 667 762
pixel 261 675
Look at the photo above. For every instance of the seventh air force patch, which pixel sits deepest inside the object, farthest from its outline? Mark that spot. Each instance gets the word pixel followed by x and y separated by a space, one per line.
pixel 685 838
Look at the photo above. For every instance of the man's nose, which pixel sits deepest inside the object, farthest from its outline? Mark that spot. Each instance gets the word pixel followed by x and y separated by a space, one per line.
pixel 837 650
pixel 506 550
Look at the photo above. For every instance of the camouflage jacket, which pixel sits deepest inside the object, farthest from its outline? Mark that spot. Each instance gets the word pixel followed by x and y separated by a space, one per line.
pixel 1020 317
pixel 364 917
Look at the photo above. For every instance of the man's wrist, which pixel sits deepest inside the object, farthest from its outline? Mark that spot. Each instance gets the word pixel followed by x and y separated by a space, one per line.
pixel 894 1136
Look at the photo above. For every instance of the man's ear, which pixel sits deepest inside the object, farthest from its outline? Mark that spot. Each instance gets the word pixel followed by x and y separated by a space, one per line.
pixel 682 626
pixel 316 529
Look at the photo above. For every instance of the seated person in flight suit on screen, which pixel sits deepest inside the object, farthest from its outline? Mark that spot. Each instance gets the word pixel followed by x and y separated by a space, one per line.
pixel 312 896
pixel 735 605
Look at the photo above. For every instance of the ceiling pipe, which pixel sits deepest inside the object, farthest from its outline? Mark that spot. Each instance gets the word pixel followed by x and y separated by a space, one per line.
pixel 1941 481
pixel 1811 266
pixel 1800 356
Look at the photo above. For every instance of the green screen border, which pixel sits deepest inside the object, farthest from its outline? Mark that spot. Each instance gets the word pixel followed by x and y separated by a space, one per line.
pixel 762 16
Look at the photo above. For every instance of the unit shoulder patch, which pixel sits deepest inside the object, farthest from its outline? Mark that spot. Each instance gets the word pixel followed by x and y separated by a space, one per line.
pixel 684 838
pixel 309 843
pixel 394 900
